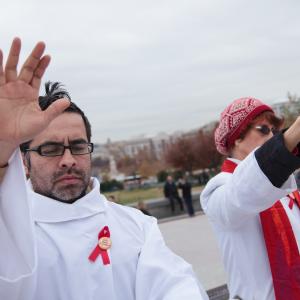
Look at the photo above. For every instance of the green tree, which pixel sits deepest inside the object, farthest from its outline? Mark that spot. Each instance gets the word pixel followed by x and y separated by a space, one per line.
pixel 162 176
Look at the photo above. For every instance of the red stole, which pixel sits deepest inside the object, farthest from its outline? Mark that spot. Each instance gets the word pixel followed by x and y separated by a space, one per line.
pixel 282 249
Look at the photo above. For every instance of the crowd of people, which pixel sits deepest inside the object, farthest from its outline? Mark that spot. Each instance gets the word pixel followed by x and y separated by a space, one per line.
pixel 62 239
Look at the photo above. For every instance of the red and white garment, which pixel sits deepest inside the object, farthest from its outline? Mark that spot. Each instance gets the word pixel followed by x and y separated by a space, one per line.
pixel 238 206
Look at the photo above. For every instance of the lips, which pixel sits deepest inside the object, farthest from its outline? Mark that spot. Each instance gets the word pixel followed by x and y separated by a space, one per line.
pixel 68 179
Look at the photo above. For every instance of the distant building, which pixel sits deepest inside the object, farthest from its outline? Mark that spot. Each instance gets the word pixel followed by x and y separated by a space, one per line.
pixel 155 146
pixel 132 182
pixel 281 108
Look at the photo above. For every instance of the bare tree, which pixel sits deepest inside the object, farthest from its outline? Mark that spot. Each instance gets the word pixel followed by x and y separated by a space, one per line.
pixel 194 152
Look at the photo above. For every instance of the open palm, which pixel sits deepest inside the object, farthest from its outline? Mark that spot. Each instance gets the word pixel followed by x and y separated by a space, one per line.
pixel 20 115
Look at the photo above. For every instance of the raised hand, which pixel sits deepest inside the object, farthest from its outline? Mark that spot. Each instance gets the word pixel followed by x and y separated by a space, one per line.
pixel 292 136
pixel 20 115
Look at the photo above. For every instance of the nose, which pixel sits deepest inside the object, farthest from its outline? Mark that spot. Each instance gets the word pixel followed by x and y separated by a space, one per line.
pixel 67 160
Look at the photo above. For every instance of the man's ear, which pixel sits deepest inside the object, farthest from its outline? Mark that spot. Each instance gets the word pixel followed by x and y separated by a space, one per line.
pixel 26 164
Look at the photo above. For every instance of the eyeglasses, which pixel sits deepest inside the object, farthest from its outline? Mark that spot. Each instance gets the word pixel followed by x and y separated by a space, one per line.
pixel 57 149
pixel 265 129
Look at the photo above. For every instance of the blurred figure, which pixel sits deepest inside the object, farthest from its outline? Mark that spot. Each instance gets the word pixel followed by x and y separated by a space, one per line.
pixel 143 208
pixel 171 192
pixel 203 177
pixel 186 188
pixel 113 198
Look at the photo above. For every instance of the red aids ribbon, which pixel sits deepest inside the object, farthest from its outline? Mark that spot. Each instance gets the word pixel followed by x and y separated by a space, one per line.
pixel 104 243
pixel 294 198
pixel 291 202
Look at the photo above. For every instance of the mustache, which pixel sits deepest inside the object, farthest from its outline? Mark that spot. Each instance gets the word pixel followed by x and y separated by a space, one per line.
pixel 71 171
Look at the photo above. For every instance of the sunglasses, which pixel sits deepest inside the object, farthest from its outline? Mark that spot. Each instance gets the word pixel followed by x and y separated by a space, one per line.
pixel 265 129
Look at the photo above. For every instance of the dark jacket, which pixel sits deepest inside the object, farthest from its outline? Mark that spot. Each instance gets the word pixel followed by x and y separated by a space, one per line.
pixel 186 189
pixel 170 190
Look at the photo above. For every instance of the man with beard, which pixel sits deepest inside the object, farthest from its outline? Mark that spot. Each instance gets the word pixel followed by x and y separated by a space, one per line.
pixel 60 238
pixel 253 203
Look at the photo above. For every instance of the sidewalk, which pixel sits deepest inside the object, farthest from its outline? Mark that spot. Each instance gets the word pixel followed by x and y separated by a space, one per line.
pixel 193 239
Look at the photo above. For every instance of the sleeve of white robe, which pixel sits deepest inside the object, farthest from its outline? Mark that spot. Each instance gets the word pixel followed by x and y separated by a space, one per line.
pixel 162 275
pixel 229 199
pixel 18 259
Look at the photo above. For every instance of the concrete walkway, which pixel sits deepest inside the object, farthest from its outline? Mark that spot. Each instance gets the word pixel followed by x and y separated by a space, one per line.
pixel 193 239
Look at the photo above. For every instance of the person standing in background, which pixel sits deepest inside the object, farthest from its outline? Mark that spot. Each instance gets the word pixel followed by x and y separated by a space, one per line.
pixel 186 189
pixel 171 193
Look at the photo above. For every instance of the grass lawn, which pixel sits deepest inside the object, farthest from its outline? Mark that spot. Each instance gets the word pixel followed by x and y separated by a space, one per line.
pixel 135 195
pixel 125 197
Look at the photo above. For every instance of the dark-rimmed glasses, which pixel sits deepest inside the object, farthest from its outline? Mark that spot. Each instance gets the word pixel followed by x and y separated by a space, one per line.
pixel 265 129
pixel 58 149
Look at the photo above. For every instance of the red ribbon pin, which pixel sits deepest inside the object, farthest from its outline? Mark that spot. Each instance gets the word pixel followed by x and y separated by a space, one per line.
pixel 104 243
pixel 294 198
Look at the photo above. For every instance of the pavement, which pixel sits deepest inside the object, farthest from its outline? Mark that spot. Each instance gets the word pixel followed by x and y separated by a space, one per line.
pixel 193 240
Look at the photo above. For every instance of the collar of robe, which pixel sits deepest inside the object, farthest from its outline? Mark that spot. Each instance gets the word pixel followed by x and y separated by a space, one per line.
pixel 48 210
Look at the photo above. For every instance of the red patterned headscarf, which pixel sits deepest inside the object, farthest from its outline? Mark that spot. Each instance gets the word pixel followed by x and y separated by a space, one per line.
pixel 234 119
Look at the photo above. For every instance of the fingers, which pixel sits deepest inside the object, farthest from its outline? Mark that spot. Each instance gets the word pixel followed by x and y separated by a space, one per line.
pixel 2 77
pixel 39 72
pixel 32 63
pixel 55 109
pixel 33 68
pixel 12 61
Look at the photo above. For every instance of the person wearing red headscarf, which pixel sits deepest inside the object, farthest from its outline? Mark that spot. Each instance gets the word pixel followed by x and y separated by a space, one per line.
pixel 253 204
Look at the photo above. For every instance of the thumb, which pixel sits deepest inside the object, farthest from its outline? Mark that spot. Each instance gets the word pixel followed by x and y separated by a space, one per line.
pixel 55 109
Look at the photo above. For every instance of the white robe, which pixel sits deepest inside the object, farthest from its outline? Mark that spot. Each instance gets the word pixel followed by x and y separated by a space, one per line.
pixel 232 203
pixel 45 245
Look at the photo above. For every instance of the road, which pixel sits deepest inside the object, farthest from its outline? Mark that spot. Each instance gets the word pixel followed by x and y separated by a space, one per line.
pixel 193 239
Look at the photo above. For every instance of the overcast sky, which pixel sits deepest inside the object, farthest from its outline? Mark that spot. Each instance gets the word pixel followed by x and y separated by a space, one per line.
pixel 144 67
